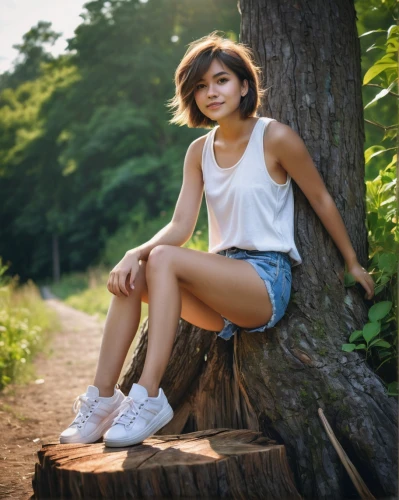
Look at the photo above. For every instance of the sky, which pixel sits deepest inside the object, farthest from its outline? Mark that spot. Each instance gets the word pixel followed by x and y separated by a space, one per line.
pixel 18 16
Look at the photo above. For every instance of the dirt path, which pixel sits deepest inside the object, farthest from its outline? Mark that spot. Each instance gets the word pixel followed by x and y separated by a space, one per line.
pixel 36 413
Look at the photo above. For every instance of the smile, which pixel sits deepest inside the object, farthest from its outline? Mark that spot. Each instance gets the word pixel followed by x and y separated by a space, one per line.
pixel 215 105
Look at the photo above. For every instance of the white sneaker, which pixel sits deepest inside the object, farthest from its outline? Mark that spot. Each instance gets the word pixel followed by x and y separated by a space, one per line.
pixel 140 416
pixel 95 416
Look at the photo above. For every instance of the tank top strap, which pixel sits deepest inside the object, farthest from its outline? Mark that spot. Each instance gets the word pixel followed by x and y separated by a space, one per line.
pixel 206 151
pixel 255 154
pixel 265 122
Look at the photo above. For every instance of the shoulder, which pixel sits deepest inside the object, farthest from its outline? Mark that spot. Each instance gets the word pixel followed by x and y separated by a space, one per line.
pixel 279 132
pixel 195 149
pixel 279 137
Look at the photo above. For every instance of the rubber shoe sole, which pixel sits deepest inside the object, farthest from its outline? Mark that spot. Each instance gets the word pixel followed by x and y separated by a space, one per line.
pixel 94 436
pixel 163 417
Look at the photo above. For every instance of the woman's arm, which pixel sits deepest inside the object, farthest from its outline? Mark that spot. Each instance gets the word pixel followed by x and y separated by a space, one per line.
pixel 293 156
pixel 176 233
pixel 332 221
pixel 188 205
pixel 172 234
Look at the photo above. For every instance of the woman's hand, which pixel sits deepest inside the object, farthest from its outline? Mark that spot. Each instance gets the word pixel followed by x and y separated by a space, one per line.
pixel 363 277
pixel 117 280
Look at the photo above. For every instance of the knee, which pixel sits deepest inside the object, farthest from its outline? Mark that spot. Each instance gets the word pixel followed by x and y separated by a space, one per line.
pixel 159 257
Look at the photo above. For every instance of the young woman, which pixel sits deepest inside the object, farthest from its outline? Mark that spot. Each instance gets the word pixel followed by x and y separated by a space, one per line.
pixel 245 164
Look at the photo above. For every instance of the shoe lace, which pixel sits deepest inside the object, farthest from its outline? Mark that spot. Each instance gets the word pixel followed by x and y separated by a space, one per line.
pixel 128 411
pixel 83 406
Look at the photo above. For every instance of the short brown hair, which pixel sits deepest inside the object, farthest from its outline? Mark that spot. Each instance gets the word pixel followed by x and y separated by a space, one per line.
pixel 196 61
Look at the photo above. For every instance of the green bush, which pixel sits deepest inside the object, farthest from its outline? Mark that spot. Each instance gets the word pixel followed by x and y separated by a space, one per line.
pixel 70 284
pixel 25 326
pixel 378 338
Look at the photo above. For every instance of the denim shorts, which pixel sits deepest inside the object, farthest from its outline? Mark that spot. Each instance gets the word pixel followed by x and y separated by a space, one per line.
pixel 274 268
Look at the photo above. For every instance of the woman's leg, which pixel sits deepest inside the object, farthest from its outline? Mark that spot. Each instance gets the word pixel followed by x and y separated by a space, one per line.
pixel 122 323
pixel 230 288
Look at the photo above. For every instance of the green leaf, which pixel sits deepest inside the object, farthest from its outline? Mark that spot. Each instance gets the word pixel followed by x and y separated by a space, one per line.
pixel 379 310
pixel 380 95
pixel 387 262
pixel 376 69
pixel 355 335
pixel 372 31
pixel 375 46
pixel 348 347
pixel 373 151
pixel 393 389
pixel 378 289
pixel 380 343
pixel 383 279
pixel 361 346
pixel 388 177
pixel 371 330
pixel 389 200
pixel 393 30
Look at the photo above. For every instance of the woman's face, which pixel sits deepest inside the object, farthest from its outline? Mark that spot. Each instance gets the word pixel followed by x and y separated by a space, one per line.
pixel 219 85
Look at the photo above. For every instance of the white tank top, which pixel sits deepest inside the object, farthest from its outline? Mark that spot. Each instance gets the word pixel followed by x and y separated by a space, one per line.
pixel 246 207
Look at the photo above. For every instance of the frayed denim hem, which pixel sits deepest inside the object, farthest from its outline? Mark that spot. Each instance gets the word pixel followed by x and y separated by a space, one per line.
pixel 229 329
pixel 272 321
pixel 270 291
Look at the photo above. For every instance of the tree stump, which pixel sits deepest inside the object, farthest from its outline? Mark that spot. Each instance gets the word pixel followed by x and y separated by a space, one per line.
pixel 215 463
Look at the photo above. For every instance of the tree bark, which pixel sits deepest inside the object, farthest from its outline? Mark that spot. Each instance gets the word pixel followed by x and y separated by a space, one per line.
pixel 275 382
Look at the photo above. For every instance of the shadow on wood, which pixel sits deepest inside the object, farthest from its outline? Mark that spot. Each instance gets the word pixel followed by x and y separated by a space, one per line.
pixel 218 463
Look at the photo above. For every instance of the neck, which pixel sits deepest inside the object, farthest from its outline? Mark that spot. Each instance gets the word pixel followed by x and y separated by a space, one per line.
pixel 231 129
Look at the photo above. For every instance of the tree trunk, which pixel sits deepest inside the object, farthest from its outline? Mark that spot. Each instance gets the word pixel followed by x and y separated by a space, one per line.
pixel 56 258
pixel 220 463
pixel 310 55
pixel 275 382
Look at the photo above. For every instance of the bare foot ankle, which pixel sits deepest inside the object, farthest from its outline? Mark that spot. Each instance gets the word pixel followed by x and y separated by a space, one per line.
pixel 152 393
pixel 105 392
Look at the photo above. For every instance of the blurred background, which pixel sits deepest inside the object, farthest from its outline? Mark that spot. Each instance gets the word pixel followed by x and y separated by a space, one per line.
pixel 89 165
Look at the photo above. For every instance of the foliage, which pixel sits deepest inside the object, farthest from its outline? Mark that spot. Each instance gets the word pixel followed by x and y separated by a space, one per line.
pixel 31 55
pixel 71 284
pixel 373 334
pixel 86 150
pixel 374 15
pixel 380 333
pixel 88 292
pixel 199 240
pixel 25 323
pixel 93 300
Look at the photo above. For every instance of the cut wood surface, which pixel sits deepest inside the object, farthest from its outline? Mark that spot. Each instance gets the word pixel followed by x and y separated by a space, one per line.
pixel 215 463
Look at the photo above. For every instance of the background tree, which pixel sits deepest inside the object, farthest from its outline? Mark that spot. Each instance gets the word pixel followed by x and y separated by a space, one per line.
pixel 31 54
pixel 88 161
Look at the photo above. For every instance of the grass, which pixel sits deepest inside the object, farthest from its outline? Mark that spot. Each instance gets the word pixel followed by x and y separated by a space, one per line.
pixel 26 324
pixel 88 292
